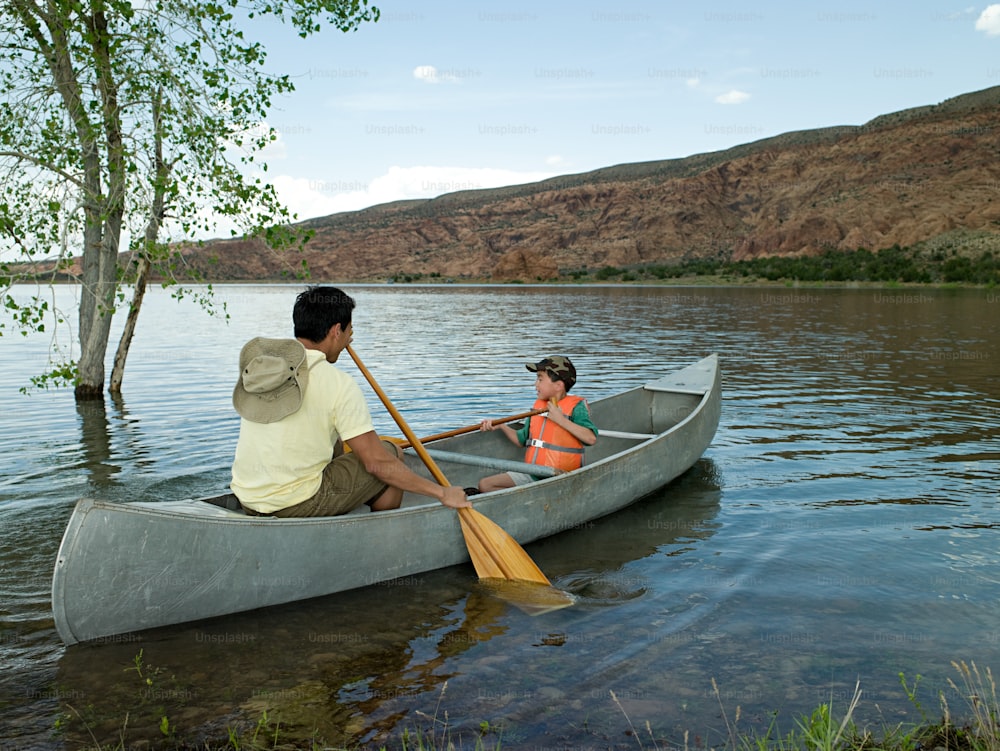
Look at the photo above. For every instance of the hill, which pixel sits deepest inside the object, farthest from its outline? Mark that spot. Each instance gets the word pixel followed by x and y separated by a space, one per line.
pixel 920 178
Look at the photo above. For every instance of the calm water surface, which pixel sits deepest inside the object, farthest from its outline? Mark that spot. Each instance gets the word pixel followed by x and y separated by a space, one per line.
pixel 844 526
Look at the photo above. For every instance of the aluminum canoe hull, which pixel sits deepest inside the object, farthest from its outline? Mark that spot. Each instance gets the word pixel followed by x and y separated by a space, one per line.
pixel 125 567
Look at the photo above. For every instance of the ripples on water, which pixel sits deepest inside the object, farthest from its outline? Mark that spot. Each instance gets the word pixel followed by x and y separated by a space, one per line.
pixel 843 524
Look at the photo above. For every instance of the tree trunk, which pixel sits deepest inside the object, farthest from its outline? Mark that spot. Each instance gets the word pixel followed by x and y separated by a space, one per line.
pixel 118 370
pixel 156 212
pixel 101 273
pixel 96 311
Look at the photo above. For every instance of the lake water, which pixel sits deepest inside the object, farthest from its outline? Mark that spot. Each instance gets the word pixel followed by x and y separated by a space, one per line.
pixel 843 527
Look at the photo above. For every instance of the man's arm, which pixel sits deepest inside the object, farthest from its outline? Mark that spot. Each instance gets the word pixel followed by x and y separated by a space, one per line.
pixel 392 471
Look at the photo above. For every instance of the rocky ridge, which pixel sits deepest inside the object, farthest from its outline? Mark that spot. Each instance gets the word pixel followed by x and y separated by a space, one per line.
pixel 916 177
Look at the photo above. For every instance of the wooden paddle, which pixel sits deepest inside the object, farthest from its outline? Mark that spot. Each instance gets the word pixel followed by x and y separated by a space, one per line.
pixel 470 428
pixel 495 554
pixel 405 444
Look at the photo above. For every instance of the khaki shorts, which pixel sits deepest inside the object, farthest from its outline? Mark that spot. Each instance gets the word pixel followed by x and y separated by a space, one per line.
pixel 346 485
pixel 520 478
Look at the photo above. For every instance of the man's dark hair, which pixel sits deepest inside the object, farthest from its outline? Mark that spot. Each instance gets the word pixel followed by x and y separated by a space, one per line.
pixel 319 309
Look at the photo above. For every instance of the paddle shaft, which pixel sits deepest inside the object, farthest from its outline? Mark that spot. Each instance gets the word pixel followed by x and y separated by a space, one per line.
pixel 472 428
pixel 407 431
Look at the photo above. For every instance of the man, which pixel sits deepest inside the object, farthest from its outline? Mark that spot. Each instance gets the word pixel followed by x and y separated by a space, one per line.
pixel 297 411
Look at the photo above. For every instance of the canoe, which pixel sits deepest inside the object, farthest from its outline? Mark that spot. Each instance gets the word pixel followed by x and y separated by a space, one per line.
pixel 126 567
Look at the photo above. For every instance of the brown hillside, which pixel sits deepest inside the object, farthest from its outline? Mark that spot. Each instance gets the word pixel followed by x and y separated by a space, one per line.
pixel 905 178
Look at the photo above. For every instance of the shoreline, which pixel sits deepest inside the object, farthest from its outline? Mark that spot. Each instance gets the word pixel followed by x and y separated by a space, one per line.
pixel 694 281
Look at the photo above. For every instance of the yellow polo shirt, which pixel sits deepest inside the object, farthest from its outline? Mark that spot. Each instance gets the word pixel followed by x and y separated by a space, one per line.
pixel 280 464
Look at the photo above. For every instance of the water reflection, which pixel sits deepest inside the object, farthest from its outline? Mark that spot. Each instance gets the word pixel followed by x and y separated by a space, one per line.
pixel 95 442
pixel 316 666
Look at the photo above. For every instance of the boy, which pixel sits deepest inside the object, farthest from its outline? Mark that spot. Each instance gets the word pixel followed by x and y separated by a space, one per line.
pixel 555 439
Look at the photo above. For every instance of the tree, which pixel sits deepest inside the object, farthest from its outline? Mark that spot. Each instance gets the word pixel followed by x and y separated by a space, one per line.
pixel 118 119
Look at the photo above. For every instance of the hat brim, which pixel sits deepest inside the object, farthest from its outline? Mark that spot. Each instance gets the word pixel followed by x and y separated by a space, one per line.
pixel 270 407
pixel 570 381
pixel 274 405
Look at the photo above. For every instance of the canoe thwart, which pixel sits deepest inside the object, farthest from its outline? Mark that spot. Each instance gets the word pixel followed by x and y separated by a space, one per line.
pixel 505 465
pixel 625 434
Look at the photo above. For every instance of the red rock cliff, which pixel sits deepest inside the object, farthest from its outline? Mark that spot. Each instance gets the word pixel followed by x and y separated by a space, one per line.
pixel 905 178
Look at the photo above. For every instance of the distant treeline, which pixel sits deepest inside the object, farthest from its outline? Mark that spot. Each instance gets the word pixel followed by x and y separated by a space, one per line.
pixel 891 265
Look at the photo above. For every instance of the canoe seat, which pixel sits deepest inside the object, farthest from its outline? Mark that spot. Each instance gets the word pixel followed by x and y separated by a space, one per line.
pixel 228 501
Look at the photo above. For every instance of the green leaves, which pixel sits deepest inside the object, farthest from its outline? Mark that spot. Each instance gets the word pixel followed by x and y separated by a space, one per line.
pixel 117 117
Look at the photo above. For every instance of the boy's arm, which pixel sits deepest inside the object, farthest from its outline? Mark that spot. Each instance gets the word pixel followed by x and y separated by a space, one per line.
pixel 586 434
pixel 511 434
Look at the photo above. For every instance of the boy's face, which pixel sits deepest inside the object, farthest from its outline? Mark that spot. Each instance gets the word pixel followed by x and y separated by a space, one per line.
pixel 546 388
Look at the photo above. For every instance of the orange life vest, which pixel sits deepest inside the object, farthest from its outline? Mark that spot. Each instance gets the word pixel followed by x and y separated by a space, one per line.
pixel 550 444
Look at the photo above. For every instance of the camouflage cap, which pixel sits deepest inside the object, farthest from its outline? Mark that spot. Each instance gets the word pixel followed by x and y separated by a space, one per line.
pixel 558 367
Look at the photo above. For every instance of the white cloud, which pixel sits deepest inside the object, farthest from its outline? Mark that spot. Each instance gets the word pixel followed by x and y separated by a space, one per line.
pixel 732 97
pixel 430 74
pixel 276 149
pixel 989 21
pixel 309 198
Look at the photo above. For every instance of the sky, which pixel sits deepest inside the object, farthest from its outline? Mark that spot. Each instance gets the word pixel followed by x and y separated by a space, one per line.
pixel 442 96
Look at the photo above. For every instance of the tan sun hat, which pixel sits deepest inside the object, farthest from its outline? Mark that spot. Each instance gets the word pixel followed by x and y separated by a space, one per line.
pixel 273 378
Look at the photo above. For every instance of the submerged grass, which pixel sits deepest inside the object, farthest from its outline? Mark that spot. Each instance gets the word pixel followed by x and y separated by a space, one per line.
pixel 826 730
pixel 975 726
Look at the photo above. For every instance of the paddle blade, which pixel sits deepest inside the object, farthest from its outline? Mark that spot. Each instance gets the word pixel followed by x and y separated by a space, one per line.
pixel 495 554
pixel 531 598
